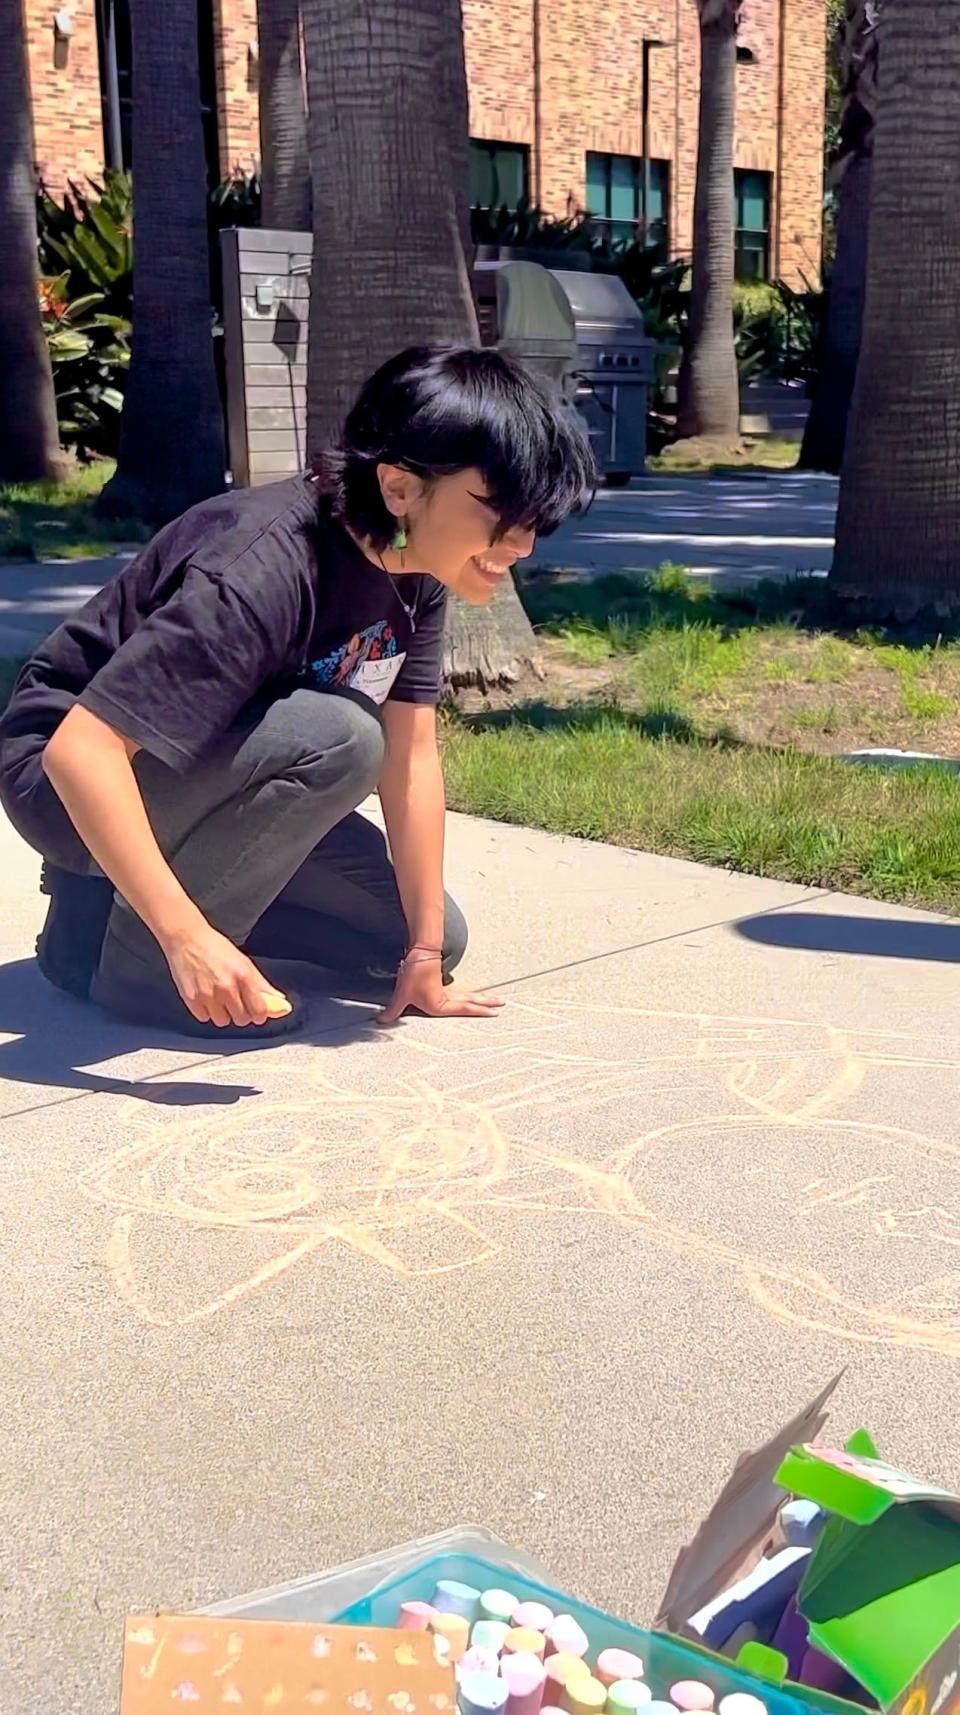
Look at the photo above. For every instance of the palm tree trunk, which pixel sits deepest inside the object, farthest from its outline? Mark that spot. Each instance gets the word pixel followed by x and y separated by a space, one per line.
pixel 826 428
pixel 709 388
pixel 284 160
pixel 898 528
pixel 388 129
pixel 171 431
pixel 29 441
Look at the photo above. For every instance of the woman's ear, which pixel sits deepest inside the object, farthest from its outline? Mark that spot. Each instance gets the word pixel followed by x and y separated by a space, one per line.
pixel 400 488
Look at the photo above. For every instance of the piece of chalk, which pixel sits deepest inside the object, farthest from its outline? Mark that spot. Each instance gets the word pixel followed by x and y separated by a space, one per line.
pixel 489 1634
pixel 498 1605
pixel 482 1694
pixel 627 1695
pixel 584 1695
pixel 614 1664
pixel 801 1522
pixel 456 1631
pixel 536 1615
pixel 525 1639
pixel 478 1660
pixel 691 1695
pixel 452 1598
pixel 559 1668
pixel 525 1679
pixel 656 1708
pixel 742 1703
pixel 414 1616
pixel 565 1636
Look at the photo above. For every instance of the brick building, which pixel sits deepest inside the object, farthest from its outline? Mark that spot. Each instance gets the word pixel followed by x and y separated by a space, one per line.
pixel 557 93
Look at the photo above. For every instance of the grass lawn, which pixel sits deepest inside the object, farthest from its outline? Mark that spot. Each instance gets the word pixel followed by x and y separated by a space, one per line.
pixel 56 519
pixel 768 452
pixel 710 727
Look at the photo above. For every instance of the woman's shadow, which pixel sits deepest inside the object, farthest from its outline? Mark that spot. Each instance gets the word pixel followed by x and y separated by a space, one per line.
pixel 55 1037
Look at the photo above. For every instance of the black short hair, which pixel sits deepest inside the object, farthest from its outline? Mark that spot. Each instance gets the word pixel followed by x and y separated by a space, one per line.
pixel 437 410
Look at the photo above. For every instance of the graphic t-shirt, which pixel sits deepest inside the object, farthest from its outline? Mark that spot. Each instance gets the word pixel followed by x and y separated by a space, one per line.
pixel 249 594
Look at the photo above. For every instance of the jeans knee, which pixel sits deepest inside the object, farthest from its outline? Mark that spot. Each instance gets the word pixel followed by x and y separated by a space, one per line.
pixel 455 935
pixel 341 734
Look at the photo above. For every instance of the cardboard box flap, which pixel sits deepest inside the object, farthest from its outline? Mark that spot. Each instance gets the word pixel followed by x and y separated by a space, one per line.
pixel 740 1524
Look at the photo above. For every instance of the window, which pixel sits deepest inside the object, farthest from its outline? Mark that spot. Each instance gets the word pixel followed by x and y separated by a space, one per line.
pixel 499 174
pixel 752 239
pixel 615 195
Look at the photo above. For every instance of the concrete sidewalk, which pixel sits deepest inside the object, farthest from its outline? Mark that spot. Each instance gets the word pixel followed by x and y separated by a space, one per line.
pixel 265 1310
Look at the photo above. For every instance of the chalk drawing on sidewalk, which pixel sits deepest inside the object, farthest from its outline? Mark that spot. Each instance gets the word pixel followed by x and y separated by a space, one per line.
pixel 427 1175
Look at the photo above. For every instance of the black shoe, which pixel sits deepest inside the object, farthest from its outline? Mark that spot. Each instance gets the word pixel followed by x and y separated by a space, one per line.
pixel 142 993
pixel 68 947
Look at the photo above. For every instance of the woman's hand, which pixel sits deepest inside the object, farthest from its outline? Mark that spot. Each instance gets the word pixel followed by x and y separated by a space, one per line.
pixel 420 985
pixel 218 983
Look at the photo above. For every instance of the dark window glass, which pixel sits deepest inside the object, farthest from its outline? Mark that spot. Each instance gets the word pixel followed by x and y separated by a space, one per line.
pixel 752 193
pixel 499 174
pixel 615 195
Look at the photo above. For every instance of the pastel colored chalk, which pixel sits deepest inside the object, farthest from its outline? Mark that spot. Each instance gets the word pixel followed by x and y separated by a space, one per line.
pixel 625 1696
pixel 490 1634
pixel 565 1636
pixel 455 1631
pixel 524 1640
pixel 614 1664
pixel 691 1695
pixel 559 1668
pixel 801 1522
pixel 451 1597
pixel 742 1703
pixel 525 1679
pixel 584 1695
pixel 536 1615
pixel 498 1605
pixel 656 1708
pixel 482 1694
pixel 478 1659
pixel 414 1616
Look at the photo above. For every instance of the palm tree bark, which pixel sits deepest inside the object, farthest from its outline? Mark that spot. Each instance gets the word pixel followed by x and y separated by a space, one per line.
pixel 284 160
pixel 388 134
pixel 709 388
pixel 29 440
pixel 171 431
pixel 898 526
pixel 826 428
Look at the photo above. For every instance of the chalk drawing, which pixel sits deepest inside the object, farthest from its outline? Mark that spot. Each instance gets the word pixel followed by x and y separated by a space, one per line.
pixel 431 1173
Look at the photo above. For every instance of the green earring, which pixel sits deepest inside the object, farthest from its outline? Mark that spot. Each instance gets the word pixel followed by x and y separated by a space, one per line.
pixel 399 542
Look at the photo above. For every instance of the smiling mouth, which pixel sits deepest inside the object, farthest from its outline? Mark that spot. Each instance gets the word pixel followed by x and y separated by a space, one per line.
pixel 489 569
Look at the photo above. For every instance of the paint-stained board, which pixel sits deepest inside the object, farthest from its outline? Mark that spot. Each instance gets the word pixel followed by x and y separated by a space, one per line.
pixel 200 1664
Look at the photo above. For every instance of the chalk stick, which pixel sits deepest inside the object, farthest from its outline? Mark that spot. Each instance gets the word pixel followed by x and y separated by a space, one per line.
pixel 741 1703
pixel 656 1708
pixel 478 1659
pixel 614 1664
pixel 456 1631
pixel 625 1696
pixel 565 1636
pixel 498 1605
pixel 536 1615
pixel 584 1695
pixel 450 1597
pixel 559 1668
pixel 525 1679
pixel 414 1616
pixel 801 1522
pixel 489 1634
pixel 481 1694
pixel 691 1695
pixel 525 1639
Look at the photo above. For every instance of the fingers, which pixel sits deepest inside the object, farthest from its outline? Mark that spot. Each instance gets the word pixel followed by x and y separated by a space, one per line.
pixel 473 1006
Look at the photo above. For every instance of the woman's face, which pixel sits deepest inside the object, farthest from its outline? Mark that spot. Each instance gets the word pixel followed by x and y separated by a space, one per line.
pixel 450 525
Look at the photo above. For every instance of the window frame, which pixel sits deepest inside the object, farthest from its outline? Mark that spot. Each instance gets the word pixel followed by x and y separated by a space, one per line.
pixel 490 147
pixel 743 233
pixel 613 224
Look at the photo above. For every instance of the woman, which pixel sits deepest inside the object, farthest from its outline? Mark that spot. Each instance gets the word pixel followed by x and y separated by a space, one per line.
pixel 199 736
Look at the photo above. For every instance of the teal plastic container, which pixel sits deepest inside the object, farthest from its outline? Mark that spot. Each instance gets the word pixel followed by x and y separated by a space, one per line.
pixel 370 1591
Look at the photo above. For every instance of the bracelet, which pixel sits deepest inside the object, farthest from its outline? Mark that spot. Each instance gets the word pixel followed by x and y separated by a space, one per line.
pixel 418 958
pixel 424 947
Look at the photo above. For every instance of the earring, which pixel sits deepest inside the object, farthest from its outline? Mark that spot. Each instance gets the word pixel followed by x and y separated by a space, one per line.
pixel 399 543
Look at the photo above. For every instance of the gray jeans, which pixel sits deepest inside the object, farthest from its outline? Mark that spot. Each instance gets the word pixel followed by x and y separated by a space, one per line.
pixel 263 837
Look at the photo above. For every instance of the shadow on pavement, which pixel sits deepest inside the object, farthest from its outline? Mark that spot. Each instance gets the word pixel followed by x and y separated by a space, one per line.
pixel 870 937
pixel 57 1037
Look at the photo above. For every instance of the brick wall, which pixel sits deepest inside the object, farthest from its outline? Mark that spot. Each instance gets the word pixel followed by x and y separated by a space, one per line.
pixel 590 58
pixel 65 88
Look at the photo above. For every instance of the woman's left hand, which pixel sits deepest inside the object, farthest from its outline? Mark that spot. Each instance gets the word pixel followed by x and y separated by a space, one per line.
pixel 420 985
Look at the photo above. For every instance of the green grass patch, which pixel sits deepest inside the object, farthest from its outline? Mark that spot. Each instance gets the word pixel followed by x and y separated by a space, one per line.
pixel 601 772
pixel 57 519
pixel 769 453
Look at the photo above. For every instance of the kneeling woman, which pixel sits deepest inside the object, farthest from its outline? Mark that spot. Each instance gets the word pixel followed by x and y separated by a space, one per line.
pixel 199 736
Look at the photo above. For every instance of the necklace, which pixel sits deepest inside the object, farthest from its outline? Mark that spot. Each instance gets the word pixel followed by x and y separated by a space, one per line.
pixel 393 584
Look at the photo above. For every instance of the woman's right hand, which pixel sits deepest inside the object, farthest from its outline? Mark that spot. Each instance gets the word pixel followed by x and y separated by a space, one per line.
pixel 218 983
